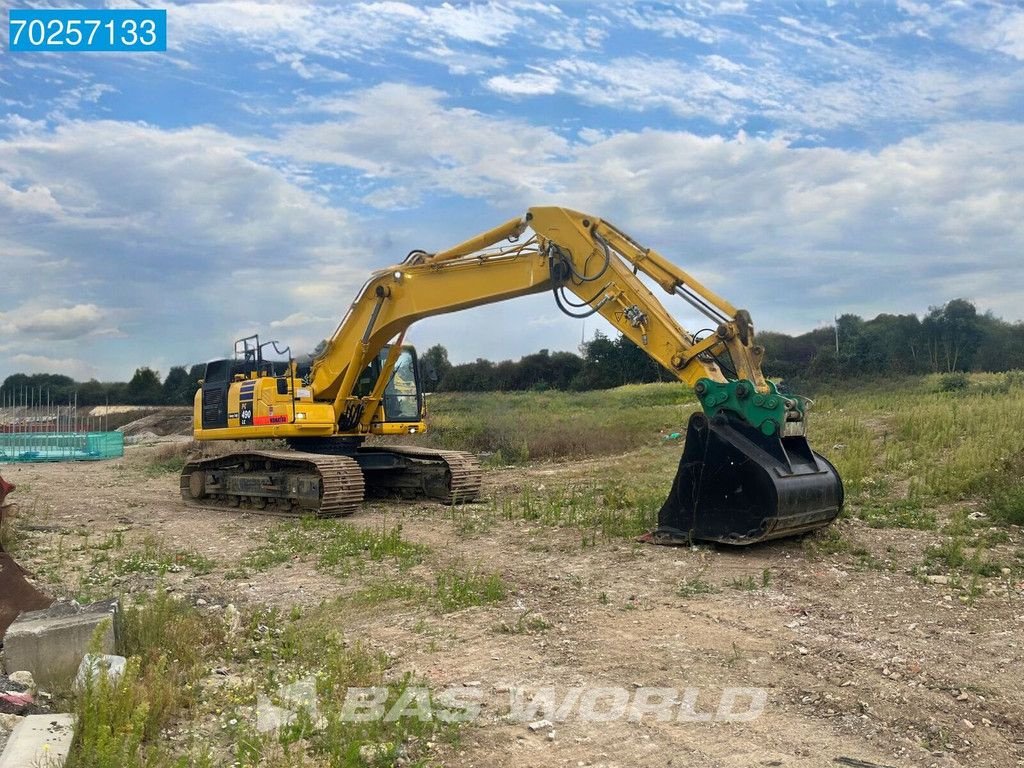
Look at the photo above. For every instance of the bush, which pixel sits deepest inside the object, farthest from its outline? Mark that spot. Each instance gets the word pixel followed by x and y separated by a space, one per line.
pixel 953 382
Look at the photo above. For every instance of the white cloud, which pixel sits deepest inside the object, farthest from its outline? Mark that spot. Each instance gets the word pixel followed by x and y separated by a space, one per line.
pixel 460 150
pixel 59 323
pixel 78 369
pixel 298 319
pixel 526 84
pixel 763 212
pixel 1006 34
pixel 668 22
pixel 181 229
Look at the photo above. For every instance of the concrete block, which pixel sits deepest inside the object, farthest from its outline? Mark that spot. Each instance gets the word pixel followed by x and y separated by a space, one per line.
pixel 39 740
pixel 52 643
pixel 94 665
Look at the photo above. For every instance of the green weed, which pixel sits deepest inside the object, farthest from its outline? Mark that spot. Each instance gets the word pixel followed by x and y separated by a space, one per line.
pixel 899 513
pixel 695 586
pixel 744 583
pixel 527 623
pixel 337 547
pixel 456 589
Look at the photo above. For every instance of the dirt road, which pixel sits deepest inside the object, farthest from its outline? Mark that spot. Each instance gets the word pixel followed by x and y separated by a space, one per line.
pixel 856 658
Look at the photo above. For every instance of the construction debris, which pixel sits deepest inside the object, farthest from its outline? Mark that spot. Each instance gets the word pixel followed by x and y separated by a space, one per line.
pixel 43 740
pixel 51 643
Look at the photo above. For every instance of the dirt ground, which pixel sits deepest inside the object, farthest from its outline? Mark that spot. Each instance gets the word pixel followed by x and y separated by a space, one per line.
pixel 860 666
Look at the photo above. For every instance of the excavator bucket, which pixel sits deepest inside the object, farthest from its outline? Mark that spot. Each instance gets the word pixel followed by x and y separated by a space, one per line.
pixel 737 486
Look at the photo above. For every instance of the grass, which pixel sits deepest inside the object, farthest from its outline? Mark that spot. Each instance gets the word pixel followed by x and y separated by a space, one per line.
pixel 168 458
pixel 526 623
pixel 612 507
pixel 692 587
pixel 155 559
pixel 903 448
pixel 955 555
pixel 457 588
pixel 171 647
pixel 119 722
pixel 112 558
pixel 336 547
pixel 9 534
pixel 532 426
pixel 898 513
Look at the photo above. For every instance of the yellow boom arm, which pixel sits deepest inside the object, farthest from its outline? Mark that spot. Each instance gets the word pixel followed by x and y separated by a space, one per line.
pixel 568 251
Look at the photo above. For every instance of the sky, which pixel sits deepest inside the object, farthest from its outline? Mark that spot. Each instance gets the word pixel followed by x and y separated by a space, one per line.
pixel 803 160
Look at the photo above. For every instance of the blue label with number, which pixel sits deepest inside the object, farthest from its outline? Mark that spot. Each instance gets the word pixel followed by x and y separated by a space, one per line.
pixel 87 30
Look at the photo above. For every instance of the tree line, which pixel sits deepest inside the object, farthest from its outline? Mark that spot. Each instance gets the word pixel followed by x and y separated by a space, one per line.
pixel 953 337
pixel 144 388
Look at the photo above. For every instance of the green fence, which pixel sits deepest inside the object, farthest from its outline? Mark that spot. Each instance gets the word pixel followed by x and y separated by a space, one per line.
pixel 60 446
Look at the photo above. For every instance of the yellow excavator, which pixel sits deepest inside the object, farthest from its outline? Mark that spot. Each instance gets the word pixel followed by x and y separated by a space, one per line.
pixel 747 473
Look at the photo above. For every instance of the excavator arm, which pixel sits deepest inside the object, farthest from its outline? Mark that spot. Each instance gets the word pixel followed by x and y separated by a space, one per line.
pixel 562 251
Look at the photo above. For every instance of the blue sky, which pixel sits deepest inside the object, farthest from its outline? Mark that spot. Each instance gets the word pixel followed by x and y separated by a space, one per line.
pixel 803 159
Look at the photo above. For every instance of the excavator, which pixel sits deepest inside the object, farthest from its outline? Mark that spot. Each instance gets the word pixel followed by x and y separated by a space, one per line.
pixel 747 473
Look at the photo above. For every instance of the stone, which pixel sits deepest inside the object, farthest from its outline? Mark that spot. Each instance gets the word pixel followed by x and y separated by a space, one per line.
pixel 540 725
pixel 23 678
pixel 371 753
pixel 93 665
pixel 50 644
pixel 39 740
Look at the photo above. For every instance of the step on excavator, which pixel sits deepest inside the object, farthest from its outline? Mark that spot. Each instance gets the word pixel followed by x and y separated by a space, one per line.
pixel 747 473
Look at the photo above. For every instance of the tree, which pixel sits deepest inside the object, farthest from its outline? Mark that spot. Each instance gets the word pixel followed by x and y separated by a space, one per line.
pixel 434 366
pixel 92 392
pixel 953 332
pixel 144 388
pixel 178 389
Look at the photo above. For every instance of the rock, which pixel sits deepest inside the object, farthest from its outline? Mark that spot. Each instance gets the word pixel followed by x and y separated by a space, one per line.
pixel 232 619
pixel 14 703
pixel 371 753
pixel 94 665
pixel 539 725
pixel 551 735
pixel 937 579
pixel 967 724
pixel 201 602
pixel 23 678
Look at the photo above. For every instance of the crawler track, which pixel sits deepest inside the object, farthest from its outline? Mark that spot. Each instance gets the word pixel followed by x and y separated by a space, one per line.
pixel 275 483
pixel 450 477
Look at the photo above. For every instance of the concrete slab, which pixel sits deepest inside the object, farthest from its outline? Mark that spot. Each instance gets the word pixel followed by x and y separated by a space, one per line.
pixel 52 643
pixel 39 740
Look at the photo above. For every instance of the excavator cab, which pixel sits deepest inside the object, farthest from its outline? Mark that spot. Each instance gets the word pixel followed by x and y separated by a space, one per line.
pixel 402 396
